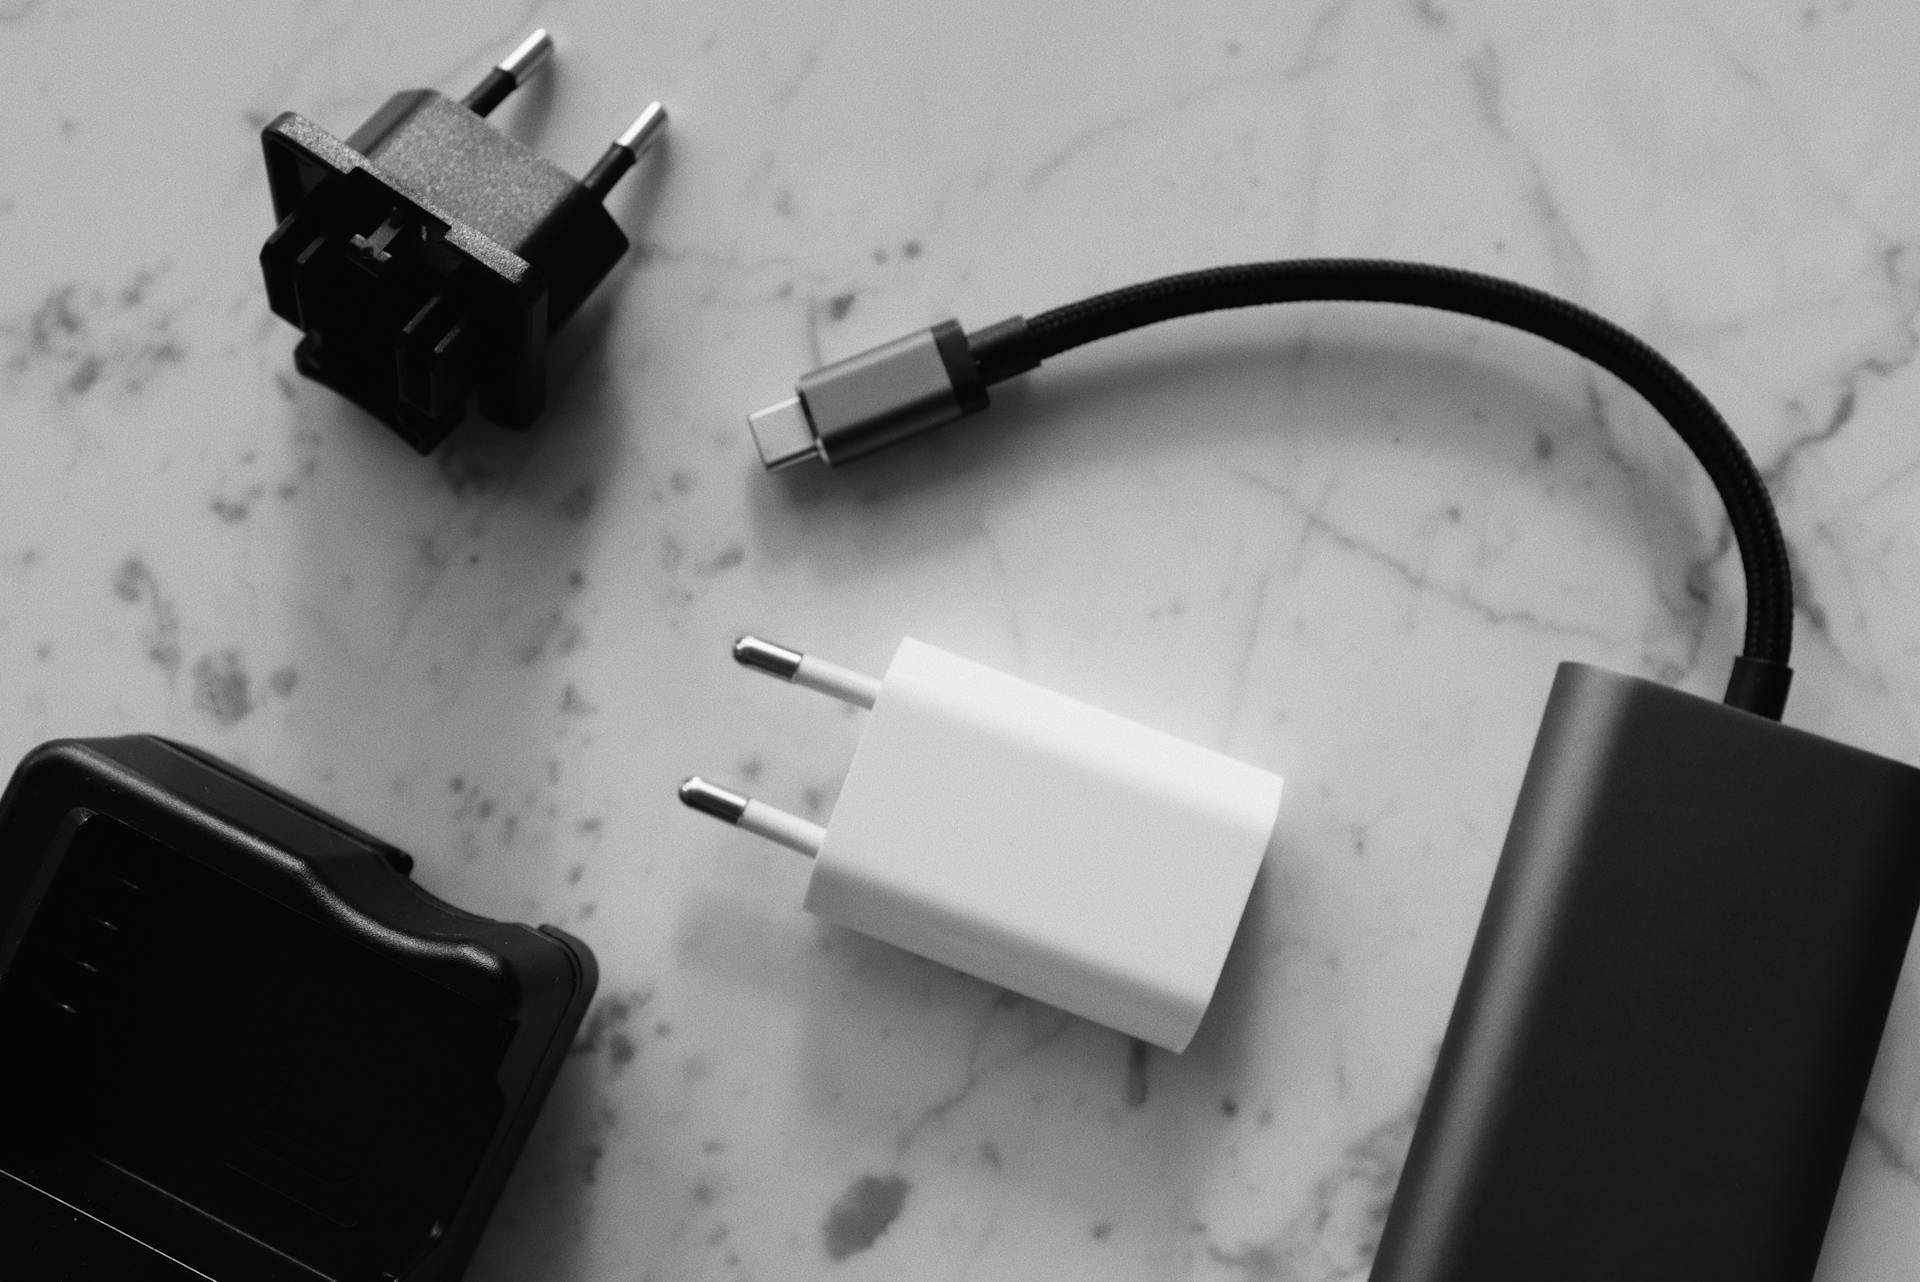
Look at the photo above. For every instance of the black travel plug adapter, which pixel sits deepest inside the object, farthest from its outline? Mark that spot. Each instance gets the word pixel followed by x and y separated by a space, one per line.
pixel 240 1043
pixel 1663 1038
pixel 428 256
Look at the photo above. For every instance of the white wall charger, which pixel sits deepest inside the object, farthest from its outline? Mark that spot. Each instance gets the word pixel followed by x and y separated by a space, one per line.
pixel 1027 838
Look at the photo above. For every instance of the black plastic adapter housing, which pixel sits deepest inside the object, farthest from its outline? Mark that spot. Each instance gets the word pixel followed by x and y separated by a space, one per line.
pixel 240 1043
pixel 1664 1034
pixel 428 257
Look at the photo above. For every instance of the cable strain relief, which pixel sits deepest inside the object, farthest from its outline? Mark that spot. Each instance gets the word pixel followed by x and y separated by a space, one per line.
pixel 1003 350
pixel 963 371
pixel 1759 686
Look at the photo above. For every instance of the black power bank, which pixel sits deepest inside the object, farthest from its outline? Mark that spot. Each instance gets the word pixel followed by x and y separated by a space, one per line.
pixel 1664 1034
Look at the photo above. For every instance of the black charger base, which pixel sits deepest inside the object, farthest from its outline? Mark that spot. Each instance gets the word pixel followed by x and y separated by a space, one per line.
pixel 1671 1010
pixel 241 1043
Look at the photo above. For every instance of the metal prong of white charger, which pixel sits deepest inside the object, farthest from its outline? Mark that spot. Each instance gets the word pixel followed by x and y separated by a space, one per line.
pixel 844 684
pixel 1016 834
pixel 756 817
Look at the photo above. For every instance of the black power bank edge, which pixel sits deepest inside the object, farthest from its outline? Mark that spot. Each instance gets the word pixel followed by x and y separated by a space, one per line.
pixel 1664 1033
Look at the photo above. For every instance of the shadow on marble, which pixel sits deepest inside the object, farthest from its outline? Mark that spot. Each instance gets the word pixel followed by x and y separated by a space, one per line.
pixel 541 1221
pixel 461 572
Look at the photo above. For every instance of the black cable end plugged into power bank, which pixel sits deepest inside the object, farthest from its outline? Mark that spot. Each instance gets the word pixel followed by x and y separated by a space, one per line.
pixel 240 1042
pixel 1663 1037
pixel 428 257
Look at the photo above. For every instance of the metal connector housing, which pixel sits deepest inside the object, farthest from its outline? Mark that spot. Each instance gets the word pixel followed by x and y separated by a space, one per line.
pixel 867 402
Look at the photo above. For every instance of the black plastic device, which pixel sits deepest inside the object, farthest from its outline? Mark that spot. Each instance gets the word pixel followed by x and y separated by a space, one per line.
pixel 240 1043
pixel 1663 1038
pixel 428 257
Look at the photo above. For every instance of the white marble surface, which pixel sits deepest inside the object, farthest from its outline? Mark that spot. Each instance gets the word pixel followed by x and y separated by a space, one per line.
pixel 1347 545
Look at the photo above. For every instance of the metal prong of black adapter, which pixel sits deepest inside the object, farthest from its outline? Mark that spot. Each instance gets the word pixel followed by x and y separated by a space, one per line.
pixel 624 150
pixel 428 258
pixel 1662 1041
pixel 509 73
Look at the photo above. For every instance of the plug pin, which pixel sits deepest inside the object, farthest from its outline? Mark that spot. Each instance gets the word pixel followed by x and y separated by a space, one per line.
pixel 756 817
pixel 620 154
pixel 844 684
pixel 510 73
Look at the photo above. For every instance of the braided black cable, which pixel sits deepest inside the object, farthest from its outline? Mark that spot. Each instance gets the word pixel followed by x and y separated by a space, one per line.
pixel 1756 531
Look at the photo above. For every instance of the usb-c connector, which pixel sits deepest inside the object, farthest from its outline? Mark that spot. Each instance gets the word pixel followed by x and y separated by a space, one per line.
pixel 783 434
pixel 867 402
